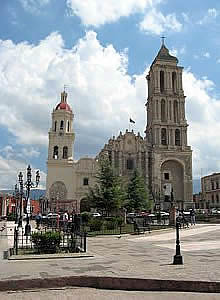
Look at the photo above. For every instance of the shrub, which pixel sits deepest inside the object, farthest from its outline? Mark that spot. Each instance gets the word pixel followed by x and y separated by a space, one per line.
pixel 47 242
pixel 114 222
pixel 86 217
pixel 95 224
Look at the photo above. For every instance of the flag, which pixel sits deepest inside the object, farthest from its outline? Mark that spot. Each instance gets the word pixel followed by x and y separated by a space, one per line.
pixel 131 121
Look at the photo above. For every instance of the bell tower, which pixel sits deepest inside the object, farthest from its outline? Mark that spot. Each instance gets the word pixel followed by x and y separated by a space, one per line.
pixel 60 157
pixel 61 135
pixel 170 157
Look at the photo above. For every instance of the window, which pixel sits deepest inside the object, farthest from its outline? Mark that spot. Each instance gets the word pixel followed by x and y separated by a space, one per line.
pixel 65 152
pixel 85 181
pixel 55 152
pixel 61 124
pixel 175 111
pixel 217 198
pixel 163 136
pixel 174 87
pixel 68 126
pixel 163 110
pixel 217 186
pixel 213 199
pixel 162 81
pixel 166 176
pixel 177 137
pixel 110 156
pixel 130 164
pixel 55 126
pixel 213 187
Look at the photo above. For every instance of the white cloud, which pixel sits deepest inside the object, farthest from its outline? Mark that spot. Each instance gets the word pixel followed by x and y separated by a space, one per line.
pixel 177 52
pixel 204 127
pixel 101 92
pixel 103 96
pixel 99 12
pixel 34 6
pixel 155 22
pixel 9 170
pixel 211 15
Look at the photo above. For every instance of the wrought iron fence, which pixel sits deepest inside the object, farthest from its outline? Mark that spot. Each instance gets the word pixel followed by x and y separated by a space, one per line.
pixel 49 241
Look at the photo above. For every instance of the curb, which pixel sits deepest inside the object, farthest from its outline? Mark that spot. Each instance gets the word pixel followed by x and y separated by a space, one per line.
pixel 113 283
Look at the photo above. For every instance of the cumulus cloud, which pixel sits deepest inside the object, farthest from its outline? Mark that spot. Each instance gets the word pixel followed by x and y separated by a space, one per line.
pixel 9 169
pixel 99 12
pixel 203 117
pixel 155 22
pixel 102 94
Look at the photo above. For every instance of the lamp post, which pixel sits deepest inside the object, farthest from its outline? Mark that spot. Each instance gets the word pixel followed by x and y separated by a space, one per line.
pixel 20 180
pixel 16 203
pixel 178 259
pixel 29 184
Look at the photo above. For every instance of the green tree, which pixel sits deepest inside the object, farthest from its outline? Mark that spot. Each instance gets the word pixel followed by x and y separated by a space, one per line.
pixel 137 194
pixel 108 194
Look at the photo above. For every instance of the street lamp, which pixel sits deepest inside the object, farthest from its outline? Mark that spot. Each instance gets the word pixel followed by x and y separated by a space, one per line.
pixel 20 180
pixel 16 203
pixel 29 184
pixel 178 259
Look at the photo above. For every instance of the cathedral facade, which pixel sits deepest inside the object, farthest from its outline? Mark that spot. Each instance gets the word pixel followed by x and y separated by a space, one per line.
pixel 162 157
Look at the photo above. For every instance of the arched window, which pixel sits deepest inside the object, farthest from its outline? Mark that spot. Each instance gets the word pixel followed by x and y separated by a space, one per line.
pixel 177 137
pixel 55 152
pixel 163 110
pixel 61 124
pixel 174 86
pixel 55 126
pixel 175 111
pixel 162 81
pixel 163 136
pixel 68 126
pixel 130 164
pixel 65 152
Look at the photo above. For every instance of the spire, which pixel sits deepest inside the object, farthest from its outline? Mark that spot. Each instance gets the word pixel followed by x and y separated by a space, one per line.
pixel 63 97
pixel 164 54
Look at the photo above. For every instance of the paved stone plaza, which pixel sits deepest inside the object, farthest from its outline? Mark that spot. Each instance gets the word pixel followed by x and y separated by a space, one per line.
pixel 143 256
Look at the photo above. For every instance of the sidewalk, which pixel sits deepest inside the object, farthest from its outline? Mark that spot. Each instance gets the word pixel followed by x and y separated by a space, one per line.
pixel 147 257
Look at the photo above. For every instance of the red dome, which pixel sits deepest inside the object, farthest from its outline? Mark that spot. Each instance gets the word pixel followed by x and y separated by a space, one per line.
pixel 63 105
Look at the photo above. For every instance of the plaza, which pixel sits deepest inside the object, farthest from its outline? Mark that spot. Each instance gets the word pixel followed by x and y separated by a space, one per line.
pixel 147 256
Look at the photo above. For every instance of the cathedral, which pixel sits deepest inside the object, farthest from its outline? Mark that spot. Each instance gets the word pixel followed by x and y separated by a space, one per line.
pixel 162 156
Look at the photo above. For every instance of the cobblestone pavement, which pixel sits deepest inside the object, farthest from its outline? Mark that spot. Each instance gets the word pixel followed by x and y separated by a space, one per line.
pixel 93 294
pixel 143 256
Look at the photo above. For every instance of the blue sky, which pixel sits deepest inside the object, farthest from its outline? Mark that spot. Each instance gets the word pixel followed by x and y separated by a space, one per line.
pixel 102 50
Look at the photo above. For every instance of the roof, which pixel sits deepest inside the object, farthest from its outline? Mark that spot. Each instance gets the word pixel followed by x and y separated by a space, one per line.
pixel 164 54
pixel 63 105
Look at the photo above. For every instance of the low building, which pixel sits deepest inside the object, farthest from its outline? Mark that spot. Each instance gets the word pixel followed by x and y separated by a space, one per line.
pixel 211 191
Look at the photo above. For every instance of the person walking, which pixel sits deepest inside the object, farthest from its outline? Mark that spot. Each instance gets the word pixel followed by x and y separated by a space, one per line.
pixel 192 217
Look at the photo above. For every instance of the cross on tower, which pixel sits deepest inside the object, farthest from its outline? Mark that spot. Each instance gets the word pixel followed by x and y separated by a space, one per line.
pixel 162 39
pixel 64 87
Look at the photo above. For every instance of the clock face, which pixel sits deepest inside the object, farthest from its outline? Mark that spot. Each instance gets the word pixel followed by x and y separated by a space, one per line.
pixel 58 191
pixel 60 133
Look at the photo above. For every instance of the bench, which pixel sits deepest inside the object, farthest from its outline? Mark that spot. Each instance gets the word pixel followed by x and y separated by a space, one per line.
pixel 139 229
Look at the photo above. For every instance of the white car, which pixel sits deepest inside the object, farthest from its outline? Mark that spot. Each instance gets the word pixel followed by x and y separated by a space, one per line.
pixel 164 213
pixel 96 214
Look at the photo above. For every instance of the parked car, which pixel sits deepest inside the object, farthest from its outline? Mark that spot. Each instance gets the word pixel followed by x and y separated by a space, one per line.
pixel 96 214
pixel 53 215
pixel 131 215
pixel 164 214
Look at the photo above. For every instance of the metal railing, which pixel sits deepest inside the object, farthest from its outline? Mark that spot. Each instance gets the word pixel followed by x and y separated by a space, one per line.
pixel 72 242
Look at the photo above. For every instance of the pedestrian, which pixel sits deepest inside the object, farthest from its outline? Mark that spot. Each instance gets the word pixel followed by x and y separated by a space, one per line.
pixel 193 216
pixel 38 220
